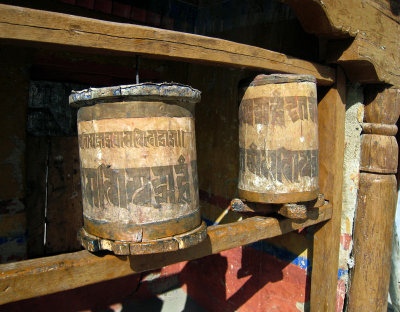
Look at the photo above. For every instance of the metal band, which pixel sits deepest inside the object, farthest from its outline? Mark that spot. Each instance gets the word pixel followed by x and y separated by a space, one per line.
pixel 142 91
pixel 174 243
pixel 278 198
pixel 129 232
pixel 281 78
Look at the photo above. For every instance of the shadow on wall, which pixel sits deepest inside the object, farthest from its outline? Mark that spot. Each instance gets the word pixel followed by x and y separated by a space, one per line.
pixel 95 297
pixel 249 278
pixel 245 279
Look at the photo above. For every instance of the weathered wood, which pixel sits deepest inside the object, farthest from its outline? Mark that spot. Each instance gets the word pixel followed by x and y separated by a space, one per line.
pixel 293 211
pixel 382 106
pixel 331 116
pixel 372 56
pixel 278 140
pixel 40 27
pixel 31 278
pixel 167 244
pixel 379 153
pixel 252 208
pixel 64 197
pixel 376 207
pixel 373 243
pixel 362 60
pixel 382 129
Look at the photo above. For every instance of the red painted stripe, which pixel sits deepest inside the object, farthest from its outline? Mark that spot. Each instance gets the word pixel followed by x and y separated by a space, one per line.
pixel 341 293
pixel 345 240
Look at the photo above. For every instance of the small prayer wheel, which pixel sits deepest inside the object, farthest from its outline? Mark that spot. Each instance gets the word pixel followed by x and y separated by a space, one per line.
pixel 137 151
pixel 278 140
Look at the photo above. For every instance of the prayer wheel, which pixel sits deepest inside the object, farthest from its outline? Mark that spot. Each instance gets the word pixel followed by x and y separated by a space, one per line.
pixel 278 140
pixel 137 152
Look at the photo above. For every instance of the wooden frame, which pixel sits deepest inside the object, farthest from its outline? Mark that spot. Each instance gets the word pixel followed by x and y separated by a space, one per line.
pixel 331 119
pixel 30 278
pixel 73 32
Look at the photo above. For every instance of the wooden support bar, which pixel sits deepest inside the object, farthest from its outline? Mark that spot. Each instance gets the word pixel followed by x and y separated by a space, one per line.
pixel 31 278
pixel 41 27
pixel 376 206
pixel 331 118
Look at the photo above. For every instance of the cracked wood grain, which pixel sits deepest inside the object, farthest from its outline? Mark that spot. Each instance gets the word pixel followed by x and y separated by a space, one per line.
pixel 74 32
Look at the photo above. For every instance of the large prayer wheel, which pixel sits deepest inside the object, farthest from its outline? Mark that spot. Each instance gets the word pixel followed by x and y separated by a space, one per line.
pixel 278 139
pixel 138 168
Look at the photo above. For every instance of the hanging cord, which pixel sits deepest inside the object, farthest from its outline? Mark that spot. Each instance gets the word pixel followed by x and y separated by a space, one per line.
pixel 222 215
pixel 236 205
pixel 137 68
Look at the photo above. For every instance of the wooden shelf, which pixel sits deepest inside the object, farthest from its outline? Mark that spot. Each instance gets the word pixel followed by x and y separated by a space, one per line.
pixel 73 32
pixel 42 276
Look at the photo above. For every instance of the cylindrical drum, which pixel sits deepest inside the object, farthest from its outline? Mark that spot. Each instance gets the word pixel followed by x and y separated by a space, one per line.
pixel 278 139
pixel 138 161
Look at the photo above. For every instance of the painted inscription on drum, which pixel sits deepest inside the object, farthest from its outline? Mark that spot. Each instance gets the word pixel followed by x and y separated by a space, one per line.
pixel 279 165
pixel 136 142
pixel 136 138
pixel 147 186
pixel 271 110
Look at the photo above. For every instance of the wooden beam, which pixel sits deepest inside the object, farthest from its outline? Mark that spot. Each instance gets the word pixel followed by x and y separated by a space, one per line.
pixel 31 278
pixel 373 55
pixel 41 27
pixel 331 118
pixel 363 61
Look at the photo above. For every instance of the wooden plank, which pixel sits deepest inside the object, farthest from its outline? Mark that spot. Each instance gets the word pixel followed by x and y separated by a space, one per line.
pixel 68 31
pixel 331 116
pixel 364 62
pixel 31 278
pixel 64 199
pixel 372 57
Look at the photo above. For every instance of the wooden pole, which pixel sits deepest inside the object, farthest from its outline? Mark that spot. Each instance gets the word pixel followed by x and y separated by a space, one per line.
pixel 331 116
pixel 376 204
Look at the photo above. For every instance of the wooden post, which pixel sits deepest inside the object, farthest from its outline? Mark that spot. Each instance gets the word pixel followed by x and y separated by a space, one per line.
pixel 331 117
pixel 376 202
